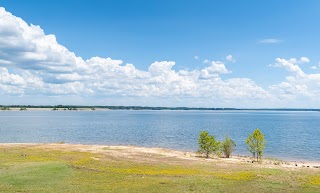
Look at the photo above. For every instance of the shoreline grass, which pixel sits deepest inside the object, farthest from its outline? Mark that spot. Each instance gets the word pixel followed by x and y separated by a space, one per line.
pixel 60 168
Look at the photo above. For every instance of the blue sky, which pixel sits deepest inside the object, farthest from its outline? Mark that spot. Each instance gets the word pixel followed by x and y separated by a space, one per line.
pixel 254 33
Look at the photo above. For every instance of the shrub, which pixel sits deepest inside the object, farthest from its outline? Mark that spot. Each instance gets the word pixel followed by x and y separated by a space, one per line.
pixel 207 143
pixel 227 146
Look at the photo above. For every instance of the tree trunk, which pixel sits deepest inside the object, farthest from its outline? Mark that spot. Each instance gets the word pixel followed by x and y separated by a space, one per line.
pixel 257 151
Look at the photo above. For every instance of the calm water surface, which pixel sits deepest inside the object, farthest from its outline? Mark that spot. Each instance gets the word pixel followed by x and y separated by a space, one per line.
pixel 289 135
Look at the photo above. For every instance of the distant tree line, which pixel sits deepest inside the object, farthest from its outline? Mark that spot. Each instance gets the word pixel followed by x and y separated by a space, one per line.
pixel 144 108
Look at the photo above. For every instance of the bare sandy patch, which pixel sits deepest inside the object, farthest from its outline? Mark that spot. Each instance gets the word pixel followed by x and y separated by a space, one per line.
pixel 156 155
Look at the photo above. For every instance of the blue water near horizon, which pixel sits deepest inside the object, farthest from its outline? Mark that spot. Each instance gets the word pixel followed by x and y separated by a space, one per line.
pixel 290 135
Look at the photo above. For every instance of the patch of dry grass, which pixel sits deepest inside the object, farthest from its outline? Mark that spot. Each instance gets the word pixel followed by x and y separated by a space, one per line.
pixel 40 169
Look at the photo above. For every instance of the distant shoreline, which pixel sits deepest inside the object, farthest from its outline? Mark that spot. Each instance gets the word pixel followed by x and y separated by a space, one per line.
pixel 55 109
pixel 79 107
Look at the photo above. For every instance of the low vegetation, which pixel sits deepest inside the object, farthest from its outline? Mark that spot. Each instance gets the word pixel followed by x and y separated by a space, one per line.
pixel 208 145
pixel 34 169
pixel 227 146
pixel 5 109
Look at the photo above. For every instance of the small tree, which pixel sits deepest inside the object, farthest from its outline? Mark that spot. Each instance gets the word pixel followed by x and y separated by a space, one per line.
pixel 256 144
pixel 228 146
pixel 207 143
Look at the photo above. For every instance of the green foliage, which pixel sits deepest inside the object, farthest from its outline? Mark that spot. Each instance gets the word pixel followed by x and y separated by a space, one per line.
pixel 207 143
pixel 227 146
pixel 50 171
pixel 256 144
pixel 35 177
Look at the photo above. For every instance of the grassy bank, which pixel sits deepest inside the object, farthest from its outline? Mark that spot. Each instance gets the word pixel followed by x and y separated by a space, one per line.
pixel 41 168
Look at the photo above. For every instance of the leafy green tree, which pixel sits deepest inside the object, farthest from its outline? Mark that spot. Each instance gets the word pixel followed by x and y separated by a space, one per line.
pixel 256 144
pixel 228 146
pixel 207 143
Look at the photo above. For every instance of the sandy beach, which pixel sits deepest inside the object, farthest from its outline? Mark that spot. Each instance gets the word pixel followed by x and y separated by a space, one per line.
pixel 143 154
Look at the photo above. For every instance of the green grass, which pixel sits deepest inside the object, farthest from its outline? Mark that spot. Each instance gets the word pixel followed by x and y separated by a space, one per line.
pixel 43 170
pixel 34 177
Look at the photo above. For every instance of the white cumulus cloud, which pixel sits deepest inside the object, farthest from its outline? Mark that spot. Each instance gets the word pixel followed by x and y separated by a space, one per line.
pixel 230 58
pixel 304 60
pixel 299 85
pixel 269 41
pixel 315 67
pixel 34 64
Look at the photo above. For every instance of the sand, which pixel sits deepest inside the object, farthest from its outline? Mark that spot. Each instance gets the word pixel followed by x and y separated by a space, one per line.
pixel 144 154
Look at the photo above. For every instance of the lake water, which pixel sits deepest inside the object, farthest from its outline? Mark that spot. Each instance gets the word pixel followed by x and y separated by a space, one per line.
pixel 289 135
